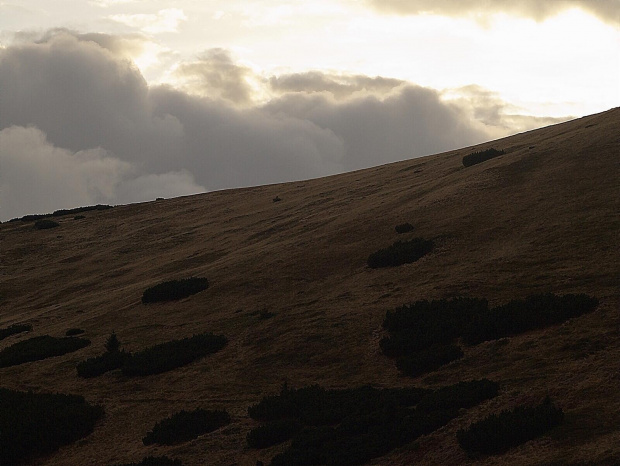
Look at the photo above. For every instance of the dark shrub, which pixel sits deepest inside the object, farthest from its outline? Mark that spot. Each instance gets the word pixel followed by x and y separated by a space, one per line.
pixel 155 461
pixel 500 432
pixel 78 210
pixel 174 289
pixel 73 332
pixel 401 252
pixel 273 432
pixel 33 424
pixel 403 228
pixel 173 354
pixel 13 329
pixel 521 315
pixel 79 217
pixel 186 425
pixel 99 365
pixel 38 348
pixel 428 360
pixel 112 344
pixel 482 156
pixel 372 422
pixel 276 199
pixel 45 224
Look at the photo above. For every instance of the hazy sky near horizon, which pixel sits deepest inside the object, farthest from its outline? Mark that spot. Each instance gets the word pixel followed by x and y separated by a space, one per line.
pixel 117 101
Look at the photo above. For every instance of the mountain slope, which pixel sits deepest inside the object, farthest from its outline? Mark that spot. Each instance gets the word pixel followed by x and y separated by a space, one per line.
pixel 541 218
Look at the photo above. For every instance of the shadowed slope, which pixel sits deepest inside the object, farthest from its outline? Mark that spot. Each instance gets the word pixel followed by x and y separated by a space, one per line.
pixel 541 218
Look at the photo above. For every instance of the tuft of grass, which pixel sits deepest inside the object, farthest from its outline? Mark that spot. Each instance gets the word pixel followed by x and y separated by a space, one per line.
pixel 173 354
pixel 38 424
pixel 174 289
pixel 399 253
pixel 14 329
pixel 37 348
pixel 186 425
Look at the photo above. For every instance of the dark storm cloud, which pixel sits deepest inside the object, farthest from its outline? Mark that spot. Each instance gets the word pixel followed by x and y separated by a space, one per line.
pixel 607 10
pixel 80 125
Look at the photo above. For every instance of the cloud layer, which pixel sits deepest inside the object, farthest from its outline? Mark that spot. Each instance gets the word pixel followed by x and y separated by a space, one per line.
pixel 607 10
pixel 79 125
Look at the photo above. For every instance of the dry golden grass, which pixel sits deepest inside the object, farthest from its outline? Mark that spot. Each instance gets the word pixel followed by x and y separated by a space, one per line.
pixel 543 217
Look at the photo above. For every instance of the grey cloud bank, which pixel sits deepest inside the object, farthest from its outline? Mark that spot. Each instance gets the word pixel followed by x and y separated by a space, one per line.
pixel 79 125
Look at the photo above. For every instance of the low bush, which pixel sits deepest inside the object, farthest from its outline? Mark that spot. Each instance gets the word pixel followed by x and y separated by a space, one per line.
pixel 37 348
pixel 369 423
pixel 399 253
pixel 500 432
pixel 73 332
pixel 45 224
pixel 14 329
pixel 38 424
pixel 99 365
pixel 174 289
pixel 155 461
pixel 482 156
pixel 522 315
pixel 273 432
pixel 173 354
pixel 186 425
pixel 428 360
pixel 79 210
pixel 403 228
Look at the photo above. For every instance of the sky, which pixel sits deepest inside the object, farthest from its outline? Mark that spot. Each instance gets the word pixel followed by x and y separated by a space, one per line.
pixel 121 101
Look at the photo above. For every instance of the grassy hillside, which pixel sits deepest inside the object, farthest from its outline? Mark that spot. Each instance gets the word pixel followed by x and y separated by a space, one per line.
pixel 290 288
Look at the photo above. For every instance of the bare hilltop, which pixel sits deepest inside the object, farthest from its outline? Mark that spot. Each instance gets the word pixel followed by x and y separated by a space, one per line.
pixel 290 288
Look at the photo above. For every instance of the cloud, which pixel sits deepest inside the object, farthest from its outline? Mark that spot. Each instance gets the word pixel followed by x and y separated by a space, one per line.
pixel 606 10
pixel 166 20
pixel 216 75
pixel 80 125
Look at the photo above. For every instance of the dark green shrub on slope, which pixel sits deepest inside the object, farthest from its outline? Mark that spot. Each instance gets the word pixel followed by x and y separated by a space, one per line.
pixel 172 354
pixel 37 424
pixel 73 332
pixel 399 253
pixel 500 432
pixel 403 228
pixel 273 433
pixel 37 348
pixel 93 367
pixel 174 289
pixel 14 329
pixel 482 156
pixel 186 425
pixel 45 224
pixel 428 360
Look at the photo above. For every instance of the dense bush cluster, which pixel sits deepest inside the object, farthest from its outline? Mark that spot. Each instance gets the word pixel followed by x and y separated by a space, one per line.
pixel 273 433
pixel 428 360
pixel 482 156
pixel 500 432
pixel 403 228
pixel 186 425
pixel 37 348
pixel 99 365
pixel 155 461
pixel 36 424
pixel 422 334
pixel 45 224
pixel 173 354
pixel 73 332
pixel 352 426
pixel 13 329
pixel 174 289
pixel 399 253
pixel 58 213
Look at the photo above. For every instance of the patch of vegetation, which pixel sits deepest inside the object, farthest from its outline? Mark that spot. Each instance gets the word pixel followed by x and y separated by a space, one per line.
pixel 112 359
pixel 14 329
pixel 499 432
pixel 155 461
pixel 37 424
pixel 353 426
pixel 276 199
pixel 403 228
pixel 73 332
pixel 172 354
pixel 45 224
pixel 186 425
pixel 482 156
pixel 399 253
pixel 428 360
pixel 522 315
pixel 174 289
pixel 37 348
pixel 79 217
pixel 79 210
pixel 273 433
